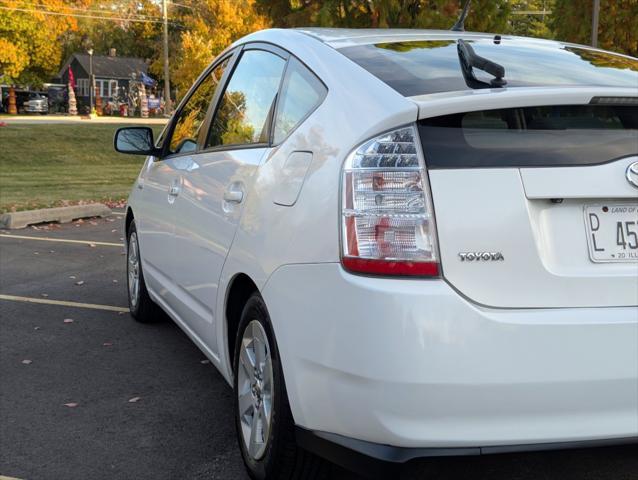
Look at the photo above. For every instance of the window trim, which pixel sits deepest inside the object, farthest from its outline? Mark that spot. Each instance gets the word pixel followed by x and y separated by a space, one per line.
pixel 267 47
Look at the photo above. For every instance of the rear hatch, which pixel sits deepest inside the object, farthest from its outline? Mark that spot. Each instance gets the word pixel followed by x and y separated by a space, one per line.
pixel 532 183
pixel 536 205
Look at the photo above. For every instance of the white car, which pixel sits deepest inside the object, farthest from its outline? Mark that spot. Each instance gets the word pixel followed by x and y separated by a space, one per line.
pixel 431 236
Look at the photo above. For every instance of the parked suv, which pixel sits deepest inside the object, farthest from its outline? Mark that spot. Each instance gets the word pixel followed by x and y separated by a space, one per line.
pixel 396 244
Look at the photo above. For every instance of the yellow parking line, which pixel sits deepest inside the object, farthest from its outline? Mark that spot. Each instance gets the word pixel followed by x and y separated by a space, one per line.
pixel 63 303
pixel 62 240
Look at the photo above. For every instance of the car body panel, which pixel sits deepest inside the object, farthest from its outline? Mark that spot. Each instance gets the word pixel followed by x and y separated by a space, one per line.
pixel 155 216
pixel 411 363
pixel 205 226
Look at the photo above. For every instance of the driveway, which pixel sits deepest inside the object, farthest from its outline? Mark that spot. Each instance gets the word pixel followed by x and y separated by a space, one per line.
pixel 87 393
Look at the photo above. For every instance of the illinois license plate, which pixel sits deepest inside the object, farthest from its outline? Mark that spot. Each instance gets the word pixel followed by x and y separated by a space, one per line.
pixel 612 232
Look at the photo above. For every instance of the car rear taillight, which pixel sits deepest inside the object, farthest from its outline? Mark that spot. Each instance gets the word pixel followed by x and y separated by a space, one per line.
pixel 387 217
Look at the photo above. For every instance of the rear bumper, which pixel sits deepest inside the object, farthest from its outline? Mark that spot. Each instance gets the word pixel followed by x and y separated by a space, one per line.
pixel 381 461
pixel 411 364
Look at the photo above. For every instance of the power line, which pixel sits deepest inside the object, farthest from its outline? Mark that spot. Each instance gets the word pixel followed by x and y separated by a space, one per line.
pixel 77 15
pixel 102 11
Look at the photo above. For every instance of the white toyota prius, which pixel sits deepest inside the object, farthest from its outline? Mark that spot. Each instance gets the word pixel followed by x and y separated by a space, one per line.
pixel 396 244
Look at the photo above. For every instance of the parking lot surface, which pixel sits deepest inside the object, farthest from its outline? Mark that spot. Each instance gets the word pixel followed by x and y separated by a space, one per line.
pixel 87 393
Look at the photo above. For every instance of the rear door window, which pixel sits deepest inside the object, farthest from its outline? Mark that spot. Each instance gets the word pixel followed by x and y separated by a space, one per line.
pixel 560 135
pixel 244 111
pixel 301 93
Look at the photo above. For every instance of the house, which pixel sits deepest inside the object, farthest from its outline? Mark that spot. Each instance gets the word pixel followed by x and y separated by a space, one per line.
pixel 112 74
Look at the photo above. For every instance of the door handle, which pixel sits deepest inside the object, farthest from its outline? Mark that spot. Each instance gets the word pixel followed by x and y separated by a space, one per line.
pixel 173 190
pixel 233 196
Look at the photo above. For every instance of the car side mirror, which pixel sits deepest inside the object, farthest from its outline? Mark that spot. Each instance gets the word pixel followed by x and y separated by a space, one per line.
pixel 135 140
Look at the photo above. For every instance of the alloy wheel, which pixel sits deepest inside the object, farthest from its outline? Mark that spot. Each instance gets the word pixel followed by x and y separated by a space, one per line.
pixel 255 389
pixel 133 270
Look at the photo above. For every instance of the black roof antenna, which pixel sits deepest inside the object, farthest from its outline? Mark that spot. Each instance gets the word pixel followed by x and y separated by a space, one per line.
pixel 459 26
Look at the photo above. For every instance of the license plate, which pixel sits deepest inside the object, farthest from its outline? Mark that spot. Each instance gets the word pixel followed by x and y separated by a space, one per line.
pixel 612 232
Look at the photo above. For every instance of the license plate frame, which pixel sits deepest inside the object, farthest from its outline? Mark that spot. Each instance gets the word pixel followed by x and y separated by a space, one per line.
pixel 598 247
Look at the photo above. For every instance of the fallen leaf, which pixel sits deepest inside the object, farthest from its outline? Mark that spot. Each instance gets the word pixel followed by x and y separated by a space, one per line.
pixel 204 362
pixel 107 344
pixel 27 362
pixel 81 282
pixel 45 295
pixel 114 230
pixel 36 328
pixel 36 253
pixel 134 399
pixel 72 277
pixel 68 320
pixel 51 251
pixel 115 281
pixel 71 405
pixel 92 245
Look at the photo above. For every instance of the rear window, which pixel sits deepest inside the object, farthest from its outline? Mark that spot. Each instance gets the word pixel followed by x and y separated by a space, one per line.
pixel 532 136
pixel 432 66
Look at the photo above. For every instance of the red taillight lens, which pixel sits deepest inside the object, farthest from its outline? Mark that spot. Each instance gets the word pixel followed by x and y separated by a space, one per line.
pixel 388 222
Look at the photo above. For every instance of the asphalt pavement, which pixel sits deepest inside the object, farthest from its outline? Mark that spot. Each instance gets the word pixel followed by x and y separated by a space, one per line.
pixel 88 393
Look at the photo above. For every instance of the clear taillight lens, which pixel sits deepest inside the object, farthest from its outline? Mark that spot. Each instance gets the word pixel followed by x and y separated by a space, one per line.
pixel 387 218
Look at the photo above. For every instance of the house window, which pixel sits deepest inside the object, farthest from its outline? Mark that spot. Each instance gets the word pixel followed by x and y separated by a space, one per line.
pixel 101 88
pixel 82 87
pixel 112 88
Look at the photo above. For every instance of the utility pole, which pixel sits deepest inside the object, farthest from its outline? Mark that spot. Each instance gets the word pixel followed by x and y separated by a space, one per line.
pixel 167 84
pixel 91 80
pixel 594 23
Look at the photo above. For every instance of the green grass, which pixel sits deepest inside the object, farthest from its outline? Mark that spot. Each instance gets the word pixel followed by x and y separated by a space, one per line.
pixel 52 165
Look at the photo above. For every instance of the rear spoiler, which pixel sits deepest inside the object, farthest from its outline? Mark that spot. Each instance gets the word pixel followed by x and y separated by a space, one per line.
pixel 437 104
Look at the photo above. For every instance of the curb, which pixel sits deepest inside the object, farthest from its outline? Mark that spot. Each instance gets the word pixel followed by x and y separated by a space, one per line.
pixel 15 220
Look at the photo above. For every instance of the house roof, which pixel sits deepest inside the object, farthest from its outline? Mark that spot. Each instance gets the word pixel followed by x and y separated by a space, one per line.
pixel 105 66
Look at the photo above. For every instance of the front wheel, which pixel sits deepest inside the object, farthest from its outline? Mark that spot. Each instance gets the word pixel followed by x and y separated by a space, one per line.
pixel 265 427
pixel 142 308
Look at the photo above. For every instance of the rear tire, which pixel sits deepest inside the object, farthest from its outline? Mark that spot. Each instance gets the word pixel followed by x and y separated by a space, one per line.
pixel 142 308
pixel 259 388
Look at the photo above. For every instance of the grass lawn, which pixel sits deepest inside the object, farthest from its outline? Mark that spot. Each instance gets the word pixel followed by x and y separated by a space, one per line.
pixel 53 165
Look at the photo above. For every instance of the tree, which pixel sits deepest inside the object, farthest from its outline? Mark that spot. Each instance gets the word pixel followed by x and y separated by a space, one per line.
pixel 617 30
pixel 129 37
pixel 209 26
pixel 531 25
pixel 386 13
pixel 30 50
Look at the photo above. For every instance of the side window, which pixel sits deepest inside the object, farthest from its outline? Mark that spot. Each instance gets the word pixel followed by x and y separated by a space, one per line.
pixel 184 138
pixel 244 109
pixel 301 93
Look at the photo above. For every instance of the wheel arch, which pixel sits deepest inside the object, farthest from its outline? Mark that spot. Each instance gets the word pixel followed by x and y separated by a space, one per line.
pixel 127 223
pixel 240 289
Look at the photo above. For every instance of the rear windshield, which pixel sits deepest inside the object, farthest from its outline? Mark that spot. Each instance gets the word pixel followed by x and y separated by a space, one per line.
pixel 432 66
pixel 531 136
